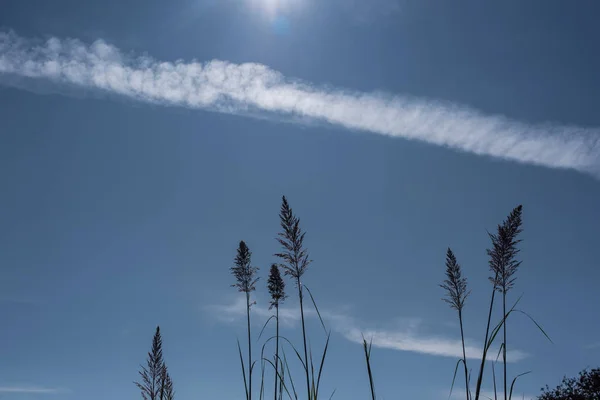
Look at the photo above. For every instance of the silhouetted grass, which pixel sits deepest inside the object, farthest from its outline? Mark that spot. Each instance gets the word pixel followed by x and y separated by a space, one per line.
pixel 245 276
pixel 294 262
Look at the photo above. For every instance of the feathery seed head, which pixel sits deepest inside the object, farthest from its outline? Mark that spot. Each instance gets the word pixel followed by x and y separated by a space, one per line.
pixel 454 284
pixel 291 238
pixel 243 271
pixel 276 287
pixel 503 263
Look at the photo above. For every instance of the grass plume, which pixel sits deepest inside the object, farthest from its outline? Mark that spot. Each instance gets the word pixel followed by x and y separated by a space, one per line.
pixel 295 261
pixel 245 276
pixel 455 286
pixel 504 265
pixel 156 383
pixel 276 287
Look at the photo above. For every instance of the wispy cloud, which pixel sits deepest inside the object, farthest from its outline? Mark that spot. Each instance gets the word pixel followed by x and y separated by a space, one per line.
pixel 232 311
pixel 436 345
pixel 405 336
pixel 31 390
pixel 459 394
pixel 18 300
pixel 255 89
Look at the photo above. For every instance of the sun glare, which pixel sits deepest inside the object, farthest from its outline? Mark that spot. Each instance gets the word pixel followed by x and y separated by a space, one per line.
pixel 274 8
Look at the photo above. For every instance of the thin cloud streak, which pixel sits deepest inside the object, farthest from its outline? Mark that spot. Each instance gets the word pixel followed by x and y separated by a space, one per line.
pixel 406 338
pixel 460 394
pixel 231 312
pixel 256 89
pixel 30 390
pixel 433 345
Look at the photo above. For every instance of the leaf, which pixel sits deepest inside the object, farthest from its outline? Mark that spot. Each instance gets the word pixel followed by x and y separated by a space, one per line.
pixel 454 377
pixel 264 326
pixel 322 364
pixel 536 324
pixel 316 308
pixel 513 383
pixel 243 369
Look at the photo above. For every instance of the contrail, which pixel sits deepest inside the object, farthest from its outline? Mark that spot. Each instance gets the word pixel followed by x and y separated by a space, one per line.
pixel 256 89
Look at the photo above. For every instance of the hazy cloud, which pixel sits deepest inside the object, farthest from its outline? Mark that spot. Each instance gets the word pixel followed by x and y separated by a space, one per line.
pixel 459 394
pixel 405 336
pixel 31 390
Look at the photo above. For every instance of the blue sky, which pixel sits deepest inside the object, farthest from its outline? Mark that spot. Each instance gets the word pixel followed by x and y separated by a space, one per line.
pixel 141 140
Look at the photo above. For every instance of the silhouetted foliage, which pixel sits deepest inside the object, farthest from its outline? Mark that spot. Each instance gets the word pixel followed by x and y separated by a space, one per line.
pixel 291 238
pixel 504 250
pixel 276 287
pixel 455 284
pixel 295 262
pixel 243 271
pixel 156 383
pixel 504 265
pixel 167 386
pixel 245 276
pixel 584 387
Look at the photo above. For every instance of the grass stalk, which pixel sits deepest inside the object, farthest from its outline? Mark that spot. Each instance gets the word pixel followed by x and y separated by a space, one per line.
pixel 457 292
pixel 367 349
pixel 275 392
pixel 245 276
pixel 485 346
pixel 462 338
pixel 504 342
pixel 295 262
pixel 304 338
pixel 249 347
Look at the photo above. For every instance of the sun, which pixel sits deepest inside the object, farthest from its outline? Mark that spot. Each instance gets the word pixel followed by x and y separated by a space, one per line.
pixel 273 9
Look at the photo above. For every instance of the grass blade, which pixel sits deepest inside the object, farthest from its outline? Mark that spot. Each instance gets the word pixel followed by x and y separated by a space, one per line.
pixel 316 308
pixel 280 377
pixel 494 377
pixel 264 326
pixel 312 372
pixel 513 383
pixel 536 324
pixel 262 381
pixel 499 351
pixel 454 377
pixel 295 351
pixel 243 369
pixel 367 349
pixel 290 375
pixel 322 364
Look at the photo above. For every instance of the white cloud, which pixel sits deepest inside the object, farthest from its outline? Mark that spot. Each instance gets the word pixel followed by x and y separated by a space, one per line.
pixel 255 89
pixel 406 336
pixel 233 311
pixel 406 340
pixel 30 390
